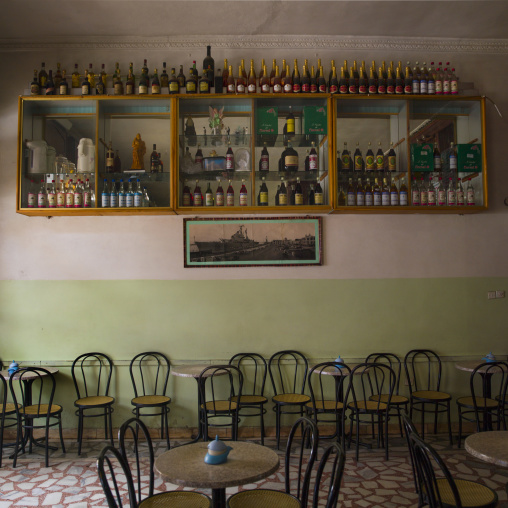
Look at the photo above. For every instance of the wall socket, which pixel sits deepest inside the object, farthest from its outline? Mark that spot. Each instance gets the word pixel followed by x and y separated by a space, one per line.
pixel 492 295
pixel 500 294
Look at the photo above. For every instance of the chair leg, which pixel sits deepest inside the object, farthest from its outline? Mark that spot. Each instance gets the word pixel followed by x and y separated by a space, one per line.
pixel 61 433
pixel 19 438
pixel 400 421
pixel 357 436
pixel 449 423
pixel 436 408
pixel 110 411
pixel 423 420
pixel 166 415
pixel 46 442
pixel 460 427
pixel 80 430
pixel 262 426
pixel 105 423
pixel 277 425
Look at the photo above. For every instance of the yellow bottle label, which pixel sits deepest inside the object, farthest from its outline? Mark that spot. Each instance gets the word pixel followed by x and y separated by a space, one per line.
pixel 291 125
pixel 263 197
pixel 173 86
pixel 291 160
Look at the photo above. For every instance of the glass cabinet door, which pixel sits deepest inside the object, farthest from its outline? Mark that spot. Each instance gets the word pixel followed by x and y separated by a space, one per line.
pixel 134 153
pixel 57 156
pixel 371 137
pixel 291 152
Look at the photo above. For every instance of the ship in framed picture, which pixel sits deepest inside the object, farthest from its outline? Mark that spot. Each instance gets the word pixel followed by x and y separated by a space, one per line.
pixel 271 241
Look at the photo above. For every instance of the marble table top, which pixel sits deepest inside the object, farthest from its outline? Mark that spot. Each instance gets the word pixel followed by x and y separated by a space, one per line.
pixel 247 462
pixel 334 371
pixel 28 375
pixel 489 446
pixel 470 365
pixel 193 371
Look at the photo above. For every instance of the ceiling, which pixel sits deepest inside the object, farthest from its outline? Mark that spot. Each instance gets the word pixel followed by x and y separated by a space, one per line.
pixel 79 19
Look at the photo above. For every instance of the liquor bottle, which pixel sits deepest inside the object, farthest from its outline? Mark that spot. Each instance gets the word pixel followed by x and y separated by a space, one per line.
pixel 51 195
pixel 243 72
pixel 460 193
pixel 138 195
pixel 198 197
pixel 446 82
pixel 173 85
pixel 243 194
pixel 390 83
pixel 431 82
pixel 290 162
pixel 437 158
pixel 306 162
pixel 441 193
pixel 110 158
pixel 306 80
pixel 283 197
pixel 454 83
pixel 403 198
pixel 381 82
pixel 321 82
pixel 161 166
pixel 240 81
pixel 394 193
pixel 144 70
pixel 117 163
pixel 351 195
pixel 363 82
pixel 380 158
pixel 298 193
pixel 262 72
pixel 64 86
pixel 377 189
pixel 292 195
pixel 334 82
pixel 191 83
pixel 75 77
pixel 451 195
pixel 105 196
pixel 277 83
pixel 452 158
pixel 385 194
pixel 251 82
pixel 408 82
pixel 311 198
pixel 264 161
pixel 35 88
pixel 277 196
pixel 345 159
pixel 358 159
pixel 43 76
pixel 355 74
pixel 297 82
pixel 209 65
pixel 288 81
pixel 372 81
pixel 230 195
pixel 122 198
pixel 129 195
pixel 113 195
pixel 392 159
pixel 181 78
pixel 143 84
pixel 118 84
pixel 91 76
pixel 217 84
pixel 204 83
pixel 343 82
pixel 431 192
pixel 290 123
pixel 154 160
pixel 147 202
pixel 313 158
pixel 230 158
pixel 352 86
pixel 186 195
pixel 208 196
pixel 78 195
pixel 369 195
pixel 283 69
pixel 470 200
pixel 416 80
pixel 219 195
pixel 164 79
pixel 360 193
pixel 415 193
pixel 423 80
pixel 69 195
pixel 264 82
pixel 424 193
pixel 50 86
pixel 230 83
pixel 87 194
pixel 60 195
pixel 263 194
pixel 156 86
pixel 370 161
pixel 313 81
pixel 399 83
pixel 439 81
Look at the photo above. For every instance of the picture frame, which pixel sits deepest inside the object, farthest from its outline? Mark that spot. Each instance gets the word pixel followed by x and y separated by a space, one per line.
pixel 252 241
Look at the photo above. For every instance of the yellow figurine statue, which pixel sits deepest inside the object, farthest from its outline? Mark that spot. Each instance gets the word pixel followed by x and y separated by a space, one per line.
pixel 138 153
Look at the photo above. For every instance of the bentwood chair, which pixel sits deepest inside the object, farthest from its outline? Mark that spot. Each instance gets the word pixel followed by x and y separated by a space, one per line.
pixel 425 389
pixel 149 374
pixel 218 385
pixel 91 374
pixel 444 490
pixel 7 414
pixel 143 469
pixel 481 407
pixel 367 382
pixel 296 492
pixel 398 401
pixel 36 410
pixel 254 369
pixel 326 385
pixel 288 374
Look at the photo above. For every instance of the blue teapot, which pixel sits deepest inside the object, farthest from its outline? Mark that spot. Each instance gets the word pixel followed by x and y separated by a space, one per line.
pixel 489 358
pixel 13 367
pixel 217 452
pixel 339 362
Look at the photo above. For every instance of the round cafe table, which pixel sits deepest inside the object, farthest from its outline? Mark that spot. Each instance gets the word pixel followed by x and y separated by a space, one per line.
pixel 246 463
pixel 489 446
pixel 470 365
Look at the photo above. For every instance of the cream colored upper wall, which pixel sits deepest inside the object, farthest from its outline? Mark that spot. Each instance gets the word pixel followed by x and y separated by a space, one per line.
pixel 355 246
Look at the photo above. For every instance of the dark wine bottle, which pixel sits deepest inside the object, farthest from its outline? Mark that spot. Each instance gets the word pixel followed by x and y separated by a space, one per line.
pixel 204 83
pixel 290 123
pixel 64 86
pixel 230 83
pixel 156 86
pixel 321 82
pixel 297 85
pixel 154 160
pixel 305 80
pixel 283 197
pixel 198 159
pixel 334 83
pixel 290 162
pixel 209 65
pixel 85 85
pixel 181 78
pixel 173 85
pixel 298 193
pixel 263 194
pixel 164 79
pixel 310 197
pixel 313 81
pixel 264 161
pixel 35 88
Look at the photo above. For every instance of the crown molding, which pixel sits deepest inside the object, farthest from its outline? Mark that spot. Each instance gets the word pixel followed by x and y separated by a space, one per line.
pixel 328 42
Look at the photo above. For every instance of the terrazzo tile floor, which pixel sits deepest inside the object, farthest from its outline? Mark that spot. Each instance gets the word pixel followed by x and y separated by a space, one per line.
pixel 72 481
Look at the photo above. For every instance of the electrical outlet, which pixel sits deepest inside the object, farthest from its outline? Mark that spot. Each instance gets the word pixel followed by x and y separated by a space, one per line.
pixel 500 294
pixel 491 295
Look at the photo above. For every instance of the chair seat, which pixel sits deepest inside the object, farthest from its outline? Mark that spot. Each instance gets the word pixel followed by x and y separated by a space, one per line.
pixel 326 405
pixel 250 399
pixel 261 498
pixel 8 408
pixel 94 401
pixel 177 499
pixel 367 405
pixel 471 493
pixel 42 410
pixel 395 400
pixel 220 406
pixel 151 400
pixel 480 402
pixel 291 398
pixel 431 395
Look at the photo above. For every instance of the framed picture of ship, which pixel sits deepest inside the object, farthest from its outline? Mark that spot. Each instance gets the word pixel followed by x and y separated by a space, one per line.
pixel 270 241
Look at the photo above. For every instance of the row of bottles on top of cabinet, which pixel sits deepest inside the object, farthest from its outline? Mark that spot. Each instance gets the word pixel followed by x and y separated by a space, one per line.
pixel 381 161
pixel 124 197
pixel 290 194
pixel 67 194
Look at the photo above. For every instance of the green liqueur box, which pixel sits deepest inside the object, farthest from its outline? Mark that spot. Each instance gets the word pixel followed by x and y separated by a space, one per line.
pixel 422 157
pixel 469 158
pixel 266 120
pixel 314 120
